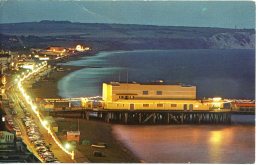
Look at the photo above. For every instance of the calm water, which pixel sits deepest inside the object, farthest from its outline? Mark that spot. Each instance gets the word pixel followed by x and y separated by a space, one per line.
pixel 185 143
pixel 225 73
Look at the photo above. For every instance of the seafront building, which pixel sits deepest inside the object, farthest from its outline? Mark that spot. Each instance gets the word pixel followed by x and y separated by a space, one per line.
pixel 5 61
pixel 243 105
pixel 57 52
pixel 154 96
pixel 13 150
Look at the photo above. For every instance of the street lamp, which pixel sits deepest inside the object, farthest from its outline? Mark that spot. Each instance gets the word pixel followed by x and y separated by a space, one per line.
pixel 67 146
pixel 44 123
pixel 34 107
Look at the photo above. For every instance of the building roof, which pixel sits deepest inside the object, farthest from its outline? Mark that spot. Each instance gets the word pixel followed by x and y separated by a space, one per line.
pixel 5 56
pixel 156 101
pixel 126 94
pixel 56 48
pixel 5 133
pixel 73 132
pixel 245 104
pixel 149 83
pixel 16 152
pixel 61 104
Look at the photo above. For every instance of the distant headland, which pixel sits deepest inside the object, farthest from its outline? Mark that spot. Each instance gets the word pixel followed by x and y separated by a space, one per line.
pixel 123 36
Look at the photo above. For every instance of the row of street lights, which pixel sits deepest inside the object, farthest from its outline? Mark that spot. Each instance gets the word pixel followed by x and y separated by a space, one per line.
pixel 29 101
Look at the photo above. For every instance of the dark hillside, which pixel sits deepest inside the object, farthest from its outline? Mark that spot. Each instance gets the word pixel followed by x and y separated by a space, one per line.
pixel 119 36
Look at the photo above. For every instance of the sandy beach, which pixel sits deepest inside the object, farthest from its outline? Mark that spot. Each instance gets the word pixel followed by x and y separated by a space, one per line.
pixel 49 89
pixel 92 132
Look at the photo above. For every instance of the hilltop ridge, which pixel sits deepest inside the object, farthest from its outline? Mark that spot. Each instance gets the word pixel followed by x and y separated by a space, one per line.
pixel 125 37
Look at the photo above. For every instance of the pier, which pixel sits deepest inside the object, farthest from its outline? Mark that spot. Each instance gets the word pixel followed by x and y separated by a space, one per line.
pixel 149 117
pixel 97 111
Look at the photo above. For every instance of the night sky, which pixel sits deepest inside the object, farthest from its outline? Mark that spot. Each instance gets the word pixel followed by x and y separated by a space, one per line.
pixel 240 14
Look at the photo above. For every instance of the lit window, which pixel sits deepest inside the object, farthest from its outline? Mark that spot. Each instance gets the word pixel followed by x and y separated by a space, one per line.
pixel 173 105
pixel 159 92
pixel 145 105
pixel 159 105
pixel 131 97
pixel 145 92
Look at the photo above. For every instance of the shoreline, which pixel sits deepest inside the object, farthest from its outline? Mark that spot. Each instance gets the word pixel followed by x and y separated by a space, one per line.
pixel 55 76
pixel 116 152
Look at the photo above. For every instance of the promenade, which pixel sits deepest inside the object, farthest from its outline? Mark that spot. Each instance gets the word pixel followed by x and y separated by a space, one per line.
pixel 16 94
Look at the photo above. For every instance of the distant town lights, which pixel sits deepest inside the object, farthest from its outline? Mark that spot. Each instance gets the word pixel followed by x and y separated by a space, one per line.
pixel 80 48
pixel 217 99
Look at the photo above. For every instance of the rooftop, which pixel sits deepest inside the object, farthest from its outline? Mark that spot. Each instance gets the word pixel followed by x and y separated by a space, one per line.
pixel 159 82
pixel 5 55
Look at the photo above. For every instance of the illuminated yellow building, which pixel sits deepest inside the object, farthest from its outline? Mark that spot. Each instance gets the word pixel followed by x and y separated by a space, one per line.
pixel 80 48
pixel 57 49
pixel 134 96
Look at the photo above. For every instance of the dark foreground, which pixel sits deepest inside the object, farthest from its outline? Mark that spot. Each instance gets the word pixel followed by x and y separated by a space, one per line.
pixel 94 132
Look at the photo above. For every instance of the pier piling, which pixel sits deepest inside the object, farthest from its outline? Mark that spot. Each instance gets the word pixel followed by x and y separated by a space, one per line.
pixel 150 117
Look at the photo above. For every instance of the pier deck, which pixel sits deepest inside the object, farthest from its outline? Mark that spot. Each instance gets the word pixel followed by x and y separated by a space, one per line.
pixel 152 116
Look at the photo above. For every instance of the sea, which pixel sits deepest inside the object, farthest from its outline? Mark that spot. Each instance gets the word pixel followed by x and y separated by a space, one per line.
pixel 226 73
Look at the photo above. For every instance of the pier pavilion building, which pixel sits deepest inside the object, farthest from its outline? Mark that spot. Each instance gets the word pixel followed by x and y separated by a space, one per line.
pixel 153 96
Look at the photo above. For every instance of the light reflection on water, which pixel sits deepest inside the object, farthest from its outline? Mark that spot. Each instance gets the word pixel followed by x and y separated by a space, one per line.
pixel 189 143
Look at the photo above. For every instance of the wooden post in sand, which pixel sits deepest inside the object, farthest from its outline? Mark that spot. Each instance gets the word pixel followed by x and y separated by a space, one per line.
pixel 126 117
